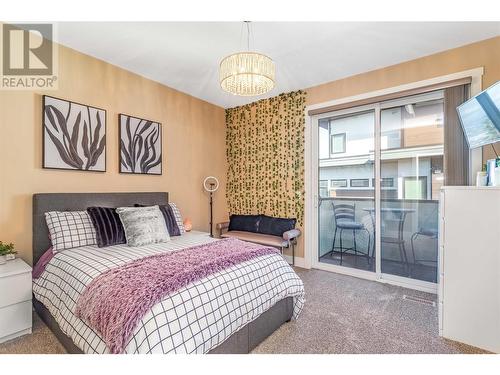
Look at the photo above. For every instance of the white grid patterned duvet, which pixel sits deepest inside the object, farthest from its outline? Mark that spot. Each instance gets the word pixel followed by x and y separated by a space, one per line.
pixel 195 319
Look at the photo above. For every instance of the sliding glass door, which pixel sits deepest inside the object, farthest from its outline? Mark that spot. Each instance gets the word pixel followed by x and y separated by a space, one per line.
pixel 378 171
pixel 412 173
pixel 346 202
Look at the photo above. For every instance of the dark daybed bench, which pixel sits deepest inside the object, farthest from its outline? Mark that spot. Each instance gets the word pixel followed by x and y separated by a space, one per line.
pixel 262 229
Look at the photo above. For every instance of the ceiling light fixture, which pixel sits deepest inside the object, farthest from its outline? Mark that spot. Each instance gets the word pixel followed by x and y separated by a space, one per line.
pixel 247 73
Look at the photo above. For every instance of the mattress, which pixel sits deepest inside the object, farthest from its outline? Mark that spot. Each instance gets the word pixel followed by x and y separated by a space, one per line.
pixel 194 319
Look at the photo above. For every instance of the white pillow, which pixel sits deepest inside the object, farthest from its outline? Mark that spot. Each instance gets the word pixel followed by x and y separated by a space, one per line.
pixel 143 225
pixel 69 229
pixel 178 217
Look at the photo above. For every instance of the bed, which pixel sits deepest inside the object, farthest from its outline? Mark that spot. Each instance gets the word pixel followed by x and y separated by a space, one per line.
pixel 228 312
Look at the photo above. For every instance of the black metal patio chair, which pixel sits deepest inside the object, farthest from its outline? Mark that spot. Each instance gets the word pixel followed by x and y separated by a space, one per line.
pixel 431 233
pixel 344 216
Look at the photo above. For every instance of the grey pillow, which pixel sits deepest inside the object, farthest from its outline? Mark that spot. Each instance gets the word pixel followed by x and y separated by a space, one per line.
pixel 143 225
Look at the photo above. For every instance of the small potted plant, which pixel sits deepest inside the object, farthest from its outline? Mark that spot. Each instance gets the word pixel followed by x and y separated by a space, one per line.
pixel 6 249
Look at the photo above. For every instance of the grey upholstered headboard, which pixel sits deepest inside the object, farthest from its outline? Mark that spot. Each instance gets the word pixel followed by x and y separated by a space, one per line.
pixel 45 202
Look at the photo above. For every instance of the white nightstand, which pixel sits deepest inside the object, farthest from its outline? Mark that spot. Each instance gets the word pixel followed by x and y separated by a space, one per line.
pixel 15 299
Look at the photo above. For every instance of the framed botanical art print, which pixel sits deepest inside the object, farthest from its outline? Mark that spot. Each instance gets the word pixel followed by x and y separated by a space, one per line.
pixel 140 145
pixel 74 135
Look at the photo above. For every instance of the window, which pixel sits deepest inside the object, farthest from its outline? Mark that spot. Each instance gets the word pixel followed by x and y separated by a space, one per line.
pixel 387 182
pixel 415 188
pixel 324 138
pixel 323 188
pixel 342 183
pixel 337 143
pixel 360 182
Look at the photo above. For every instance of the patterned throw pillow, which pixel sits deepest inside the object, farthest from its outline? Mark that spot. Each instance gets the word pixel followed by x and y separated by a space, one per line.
pixel 178 217
pixel 143 225
pixel 170 219
pixel 69 229
pixel 108 226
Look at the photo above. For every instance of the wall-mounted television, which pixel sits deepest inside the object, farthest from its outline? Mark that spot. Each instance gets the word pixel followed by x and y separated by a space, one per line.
pixel 480 117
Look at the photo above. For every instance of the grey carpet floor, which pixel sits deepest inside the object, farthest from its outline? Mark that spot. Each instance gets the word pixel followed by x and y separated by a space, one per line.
pixel 342 314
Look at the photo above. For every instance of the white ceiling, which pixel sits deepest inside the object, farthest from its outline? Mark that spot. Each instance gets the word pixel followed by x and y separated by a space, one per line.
pixel 186 55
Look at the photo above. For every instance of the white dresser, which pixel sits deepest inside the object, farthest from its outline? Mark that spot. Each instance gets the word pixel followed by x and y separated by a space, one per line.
pixel 15 299
pixel 469 266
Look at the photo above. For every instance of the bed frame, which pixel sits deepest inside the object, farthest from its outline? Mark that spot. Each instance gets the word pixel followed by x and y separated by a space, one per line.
pixel 243 341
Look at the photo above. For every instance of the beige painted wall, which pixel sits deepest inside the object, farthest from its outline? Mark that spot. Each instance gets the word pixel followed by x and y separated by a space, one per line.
pixel 193 144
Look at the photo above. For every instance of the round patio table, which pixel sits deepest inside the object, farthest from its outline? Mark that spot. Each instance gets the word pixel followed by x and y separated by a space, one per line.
pixel 400 214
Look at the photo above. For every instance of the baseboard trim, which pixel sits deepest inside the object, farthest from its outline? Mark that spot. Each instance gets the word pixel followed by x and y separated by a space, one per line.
pixel 299 262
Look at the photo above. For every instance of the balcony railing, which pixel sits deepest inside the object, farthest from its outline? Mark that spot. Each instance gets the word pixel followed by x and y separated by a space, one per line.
pixel 418 231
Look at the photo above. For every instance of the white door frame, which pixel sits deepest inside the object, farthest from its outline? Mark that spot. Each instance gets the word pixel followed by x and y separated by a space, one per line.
pixel 311 181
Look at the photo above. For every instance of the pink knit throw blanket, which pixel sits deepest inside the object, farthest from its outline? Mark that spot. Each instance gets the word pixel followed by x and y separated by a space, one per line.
pixel 115 301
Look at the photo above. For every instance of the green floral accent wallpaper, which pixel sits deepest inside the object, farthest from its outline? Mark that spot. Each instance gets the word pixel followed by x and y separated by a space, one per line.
pixel 265 154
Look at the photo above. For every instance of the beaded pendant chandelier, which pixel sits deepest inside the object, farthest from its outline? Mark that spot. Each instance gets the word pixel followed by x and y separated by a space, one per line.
pixel 247 73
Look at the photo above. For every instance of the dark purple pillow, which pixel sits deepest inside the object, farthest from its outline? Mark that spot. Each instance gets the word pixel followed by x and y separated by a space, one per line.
pixel 275 226
pixel 108 226
pixel 169 216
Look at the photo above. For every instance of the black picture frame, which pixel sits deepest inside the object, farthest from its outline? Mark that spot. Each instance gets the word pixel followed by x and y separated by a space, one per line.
pixel 49 161
pixel 124 148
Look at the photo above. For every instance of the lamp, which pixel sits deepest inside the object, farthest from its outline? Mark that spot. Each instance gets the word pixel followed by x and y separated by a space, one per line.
pixel 247 73
pixel 211 184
